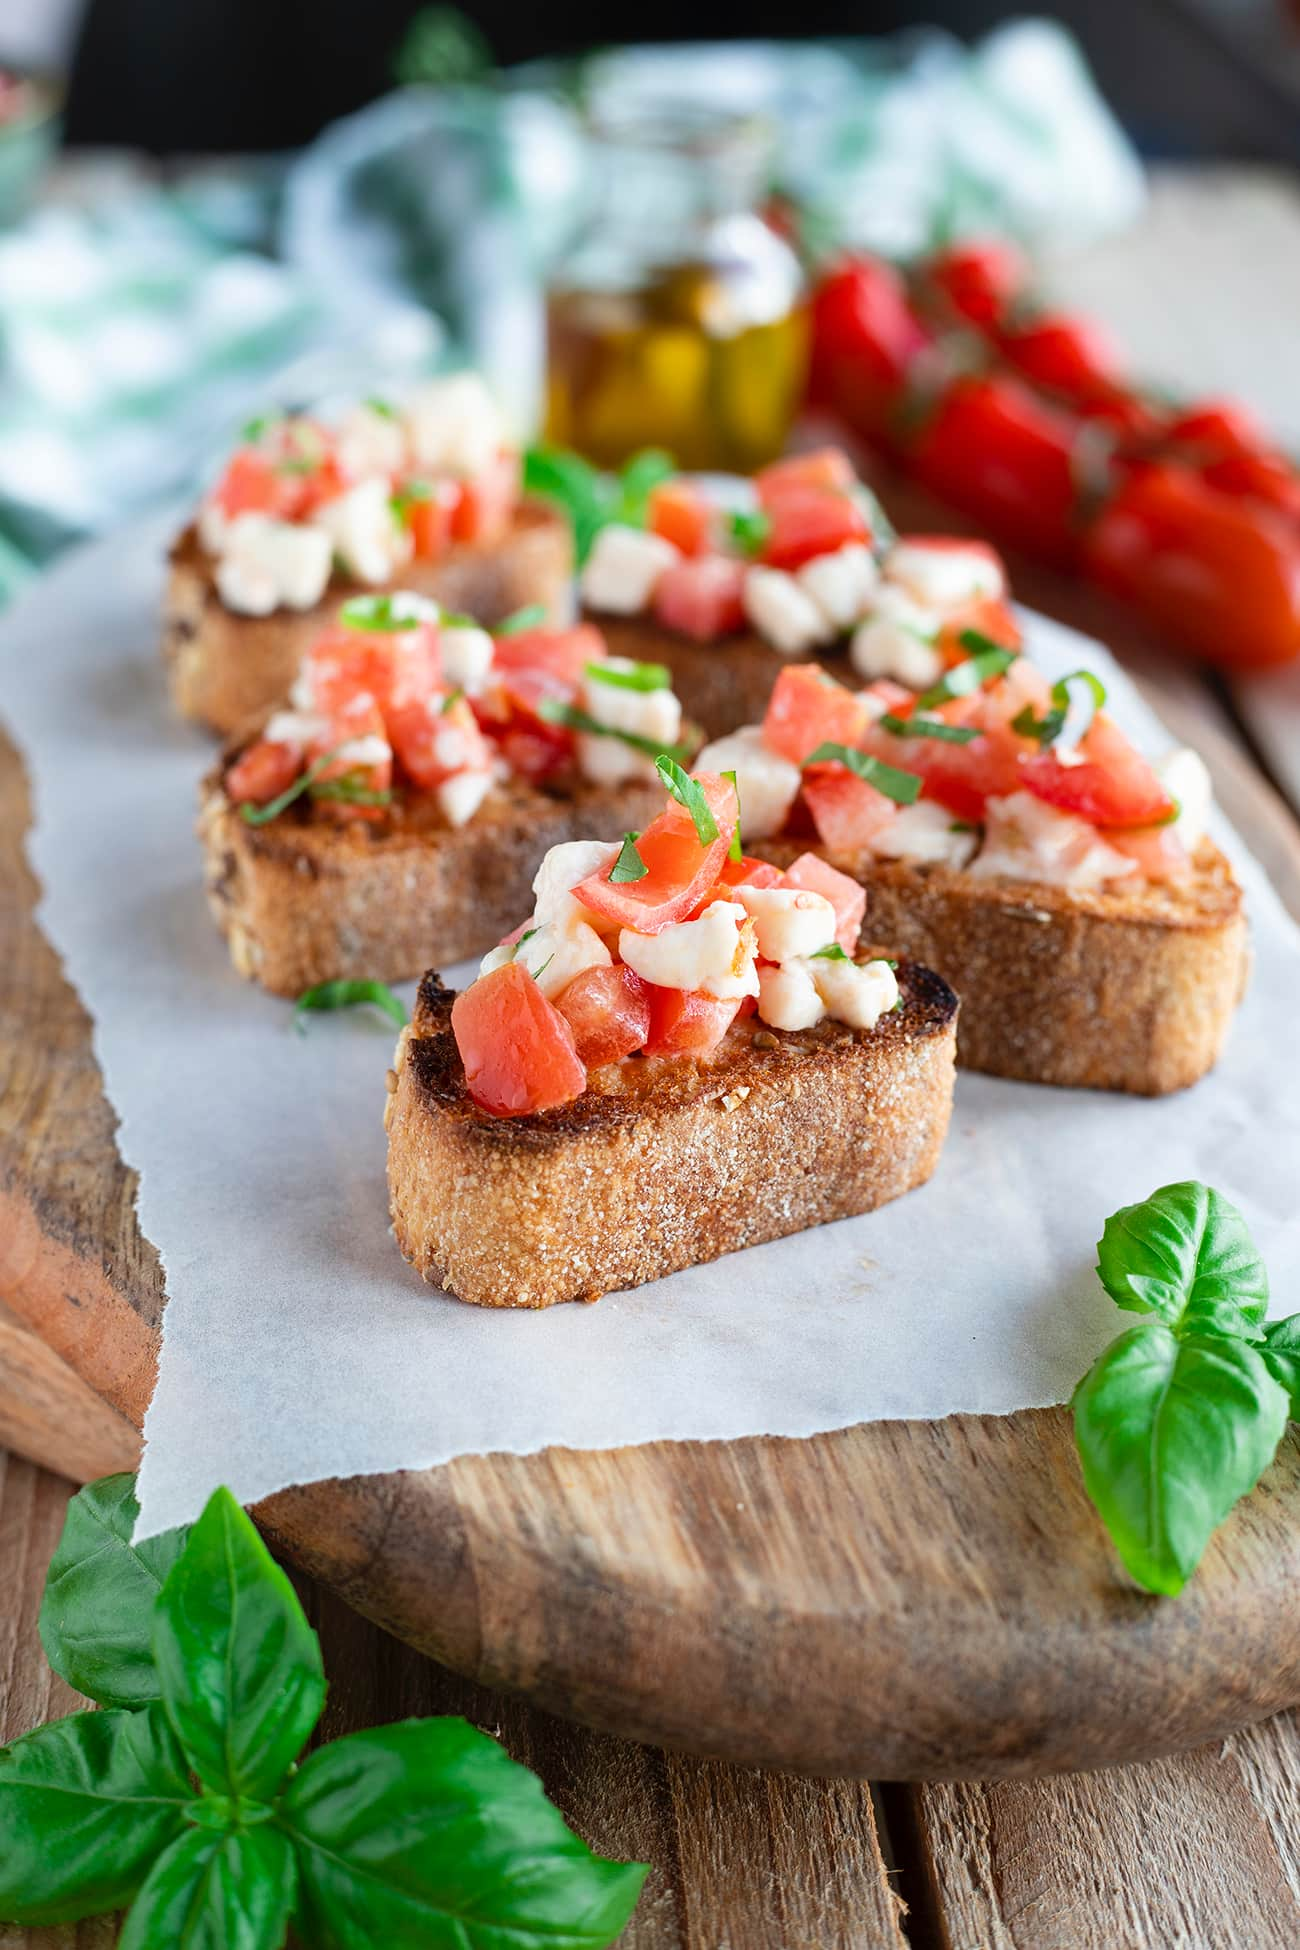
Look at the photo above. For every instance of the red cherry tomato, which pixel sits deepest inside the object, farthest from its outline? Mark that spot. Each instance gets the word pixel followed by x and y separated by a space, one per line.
pixel 263 772
pixel 999 453
pixel 1213 430
pixel 679 868
pixel 1072 357
pixel 810 521
pixel 486 503
pixel 608 1011
pixel 817 876
pixel 684 1023
pixel 1114 786
pixel 808 708
pixel 1267 478
pixel 701 598
pixel 682 515
pixel 977 281
pixel 865 340
pixel 1219 573
pixel 517 1048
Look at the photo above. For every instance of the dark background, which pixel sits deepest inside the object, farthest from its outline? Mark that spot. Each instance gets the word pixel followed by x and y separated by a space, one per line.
pixel 1188 77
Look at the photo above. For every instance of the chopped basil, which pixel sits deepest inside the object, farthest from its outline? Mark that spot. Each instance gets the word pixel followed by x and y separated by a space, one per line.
pixel 409 494
pixel 531 617
pixel 556 711
pixel 949 734
pixel 641 677
pixel 629 864
pixel 352 790
pixel 688 793
pixel 831 952
pixel 987 659
pixel 256 815
pixel 750 528
pixel 348 995
pixel 376 613
pixel 527 935
pixel 259 426
pixel 383 407
pixel 458 619
pixel 963 826
pixel 1048 729
pixel 904 788
pixel 573 485
pixel 450 701
pixel 636 483
pixel 733 851
pixel 537 973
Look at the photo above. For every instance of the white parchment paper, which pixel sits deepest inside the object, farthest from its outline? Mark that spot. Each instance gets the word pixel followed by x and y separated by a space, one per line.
pixel 298 1345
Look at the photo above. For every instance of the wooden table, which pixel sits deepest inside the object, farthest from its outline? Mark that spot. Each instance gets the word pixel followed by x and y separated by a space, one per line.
pixel 1199 1851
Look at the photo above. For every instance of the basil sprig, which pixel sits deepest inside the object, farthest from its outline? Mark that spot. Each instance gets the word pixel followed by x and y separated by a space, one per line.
pixel 749 529
pixel 920 727
pixel 1047 729
pixel 344 994
pixel 831 952
pixel 1180 1416
pixel 904 788
pixel 685 790
pixel 556 710
pixel 590 499
pixel 986 659
pixel 640 677
pixel 196 1809
pixel 629 864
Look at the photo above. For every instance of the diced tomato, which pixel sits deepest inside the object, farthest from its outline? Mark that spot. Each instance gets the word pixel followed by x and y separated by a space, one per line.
pixel 978 280
pixel 263 772
pixel 748 872
pixel 1114 786
pixel 1072 357
pixel 990 616
pixel 685 1023
pixel 846 811
pixel 828 467
pixel 486 504
pixel 251 485
pixel 291 470
pixel 865 340
pixel 608 1010
pixel 393 667
pixel 679 868
pixel 811 521
pixel 961 777
pixel 808 708
pixel 517 1049
pixel 817 876
pixel 435 739
pixel 682 514
pixel 428 515
pixel 996 450
pixel 360 718
pixel 702 597
pixel 561 654
pixel 1159 852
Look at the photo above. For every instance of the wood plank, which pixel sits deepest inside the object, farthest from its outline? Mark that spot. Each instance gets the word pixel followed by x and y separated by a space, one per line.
pixel 756 1861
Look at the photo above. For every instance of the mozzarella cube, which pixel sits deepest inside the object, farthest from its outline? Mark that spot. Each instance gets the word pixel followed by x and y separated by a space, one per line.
pixel 1185 777
pixel 366 535
pixel 409 607
pixel 371 442
pixel 454 426
pixel 768 784
pixel 714 954
pixel 656 715
pixel 297 727
pixel 265 563
pixel 788 998
pixel 562 869
pixel 367 751
pixel 788 921
pixel 621 572
pixel 841 584
pixel 460 796
pixel 856 993
pixel 783 612
pixel 924 833
pixel 946 575
pixel 466 656
pixel 505 951
pixel 897 641
pixel 1026 839
pixel 554 954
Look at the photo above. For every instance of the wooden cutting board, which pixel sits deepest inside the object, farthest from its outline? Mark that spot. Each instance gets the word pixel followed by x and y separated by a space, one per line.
pixel 898 1599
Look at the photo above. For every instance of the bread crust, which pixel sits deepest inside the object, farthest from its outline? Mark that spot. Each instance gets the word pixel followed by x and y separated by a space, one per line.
pixel 664 1162
pixel 1129 989
pixel 225 670
pixel 304 899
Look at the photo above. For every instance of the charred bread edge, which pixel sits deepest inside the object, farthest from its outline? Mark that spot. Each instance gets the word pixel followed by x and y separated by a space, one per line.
pixel 1124 990
pixel 225 670
pixel 667 1164
pixel 301 903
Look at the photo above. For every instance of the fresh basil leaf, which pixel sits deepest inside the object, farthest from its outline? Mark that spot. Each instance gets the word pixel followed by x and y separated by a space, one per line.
pixel 629 864
pixel 383 613
pixel 85 1805
pixel 1281 1352
pixel 1171 1433
pixel 575 487
pixel 1185 1254
pixel 948 734
pixel 96 1617
pixel 240 1666
pixel 750 529
pixel 350 995
pixel 259 426
pixel 904 788
pixel 641 677
pixel 1045 730
pixel 734 850
pixel 831 952
pixel 383 407
pixel 213 1891
pixel 685 790
pixel 556 711
pixel 352 790
pixel 427 1836
pixel 637 482
pixel 986 659
pixel 451 700
pixel 1048 729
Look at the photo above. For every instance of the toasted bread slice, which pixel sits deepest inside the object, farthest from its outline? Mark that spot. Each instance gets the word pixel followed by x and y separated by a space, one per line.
pixel 304 899
pixel 1128 989
pixel 664 1162
pixel 226 670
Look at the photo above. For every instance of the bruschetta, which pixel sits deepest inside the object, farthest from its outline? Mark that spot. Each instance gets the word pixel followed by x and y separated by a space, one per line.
pixel 727 581
pixel 397 808
pixel 423 495
pixel 1010 835
pixel 675 1056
